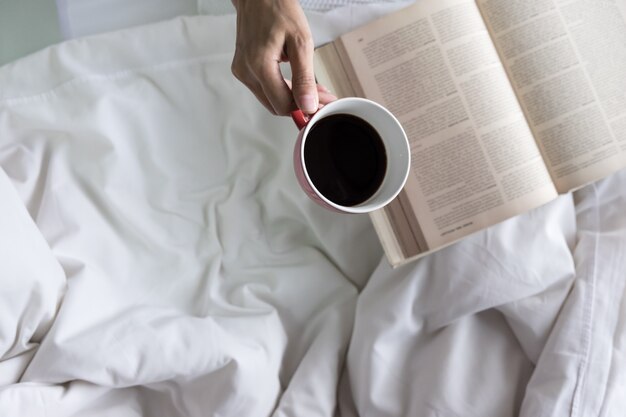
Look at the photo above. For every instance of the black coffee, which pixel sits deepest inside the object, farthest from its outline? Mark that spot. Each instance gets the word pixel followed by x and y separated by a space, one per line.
pixel 345 159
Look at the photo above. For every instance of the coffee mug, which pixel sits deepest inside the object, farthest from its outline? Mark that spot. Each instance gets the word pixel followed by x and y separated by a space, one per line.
pixel 351 156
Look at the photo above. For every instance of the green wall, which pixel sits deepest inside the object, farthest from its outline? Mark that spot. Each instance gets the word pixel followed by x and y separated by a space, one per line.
pixel 26 26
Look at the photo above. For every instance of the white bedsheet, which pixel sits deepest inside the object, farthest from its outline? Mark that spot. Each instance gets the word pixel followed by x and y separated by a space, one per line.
pixel 158 259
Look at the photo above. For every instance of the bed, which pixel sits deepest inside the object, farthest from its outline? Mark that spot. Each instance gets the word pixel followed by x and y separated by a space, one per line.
pixel 158 259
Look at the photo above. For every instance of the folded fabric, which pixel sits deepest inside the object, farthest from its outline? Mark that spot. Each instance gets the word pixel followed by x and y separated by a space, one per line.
pixel 200 279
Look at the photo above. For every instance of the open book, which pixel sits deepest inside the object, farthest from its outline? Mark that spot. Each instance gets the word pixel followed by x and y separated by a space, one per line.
pixel 506 105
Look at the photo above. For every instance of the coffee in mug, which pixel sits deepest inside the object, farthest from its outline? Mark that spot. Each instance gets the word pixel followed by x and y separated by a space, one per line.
pixel 345 158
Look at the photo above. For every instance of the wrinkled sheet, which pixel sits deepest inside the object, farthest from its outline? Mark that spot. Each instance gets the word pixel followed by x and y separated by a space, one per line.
pixel 158 259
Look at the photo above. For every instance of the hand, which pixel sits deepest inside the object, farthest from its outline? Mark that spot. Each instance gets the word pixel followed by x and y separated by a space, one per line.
pixel 270 32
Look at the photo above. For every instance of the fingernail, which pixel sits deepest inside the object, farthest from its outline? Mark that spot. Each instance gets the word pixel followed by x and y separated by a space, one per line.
pixel 308 104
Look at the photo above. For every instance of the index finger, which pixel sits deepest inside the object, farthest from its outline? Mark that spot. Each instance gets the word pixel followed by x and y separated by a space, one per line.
pixel 299 48
pixel 273 84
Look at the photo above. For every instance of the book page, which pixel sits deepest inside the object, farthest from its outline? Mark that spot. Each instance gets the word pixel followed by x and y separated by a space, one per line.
pixel 474 160
pixel 567 62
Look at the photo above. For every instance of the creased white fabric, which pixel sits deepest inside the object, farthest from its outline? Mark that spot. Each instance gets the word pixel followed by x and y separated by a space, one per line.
pixel 158 259
pixel 467 324
pixel 196 269
pixel 31 285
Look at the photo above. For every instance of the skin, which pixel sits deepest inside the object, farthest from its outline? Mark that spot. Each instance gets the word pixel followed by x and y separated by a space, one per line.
pixel 270 32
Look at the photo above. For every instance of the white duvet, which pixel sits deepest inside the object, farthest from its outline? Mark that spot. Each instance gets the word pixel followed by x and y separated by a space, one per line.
pixel 158 259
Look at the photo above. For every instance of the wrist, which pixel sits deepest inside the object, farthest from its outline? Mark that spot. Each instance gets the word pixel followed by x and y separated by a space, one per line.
pixel 238 3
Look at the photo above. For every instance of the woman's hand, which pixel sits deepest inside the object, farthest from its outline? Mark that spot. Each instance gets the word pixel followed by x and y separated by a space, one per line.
pixel 270 32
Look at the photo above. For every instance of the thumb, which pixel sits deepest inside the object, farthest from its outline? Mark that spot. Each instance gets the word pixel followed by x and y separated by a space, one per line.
pixel 304 88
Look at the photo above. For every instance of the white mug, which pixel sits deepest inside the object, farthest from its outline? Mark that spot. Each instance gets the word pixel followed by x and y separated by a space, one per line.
pixel 393 137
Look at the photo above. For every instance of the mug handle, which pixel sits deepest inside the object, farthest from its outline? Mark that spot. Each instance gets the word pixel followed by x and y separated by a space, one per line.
pixel 299 119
